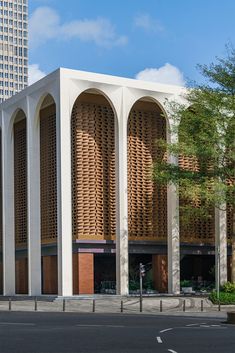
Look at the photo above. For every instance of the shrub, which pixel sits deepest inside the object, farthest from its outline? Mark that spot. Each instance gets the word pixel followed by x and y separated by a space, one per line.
pixel 224 298
pixel 229 287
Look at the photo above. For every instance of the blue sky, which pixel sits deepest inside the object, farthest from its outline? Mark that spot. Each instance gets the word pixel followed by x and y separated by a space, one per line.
pixel 129 37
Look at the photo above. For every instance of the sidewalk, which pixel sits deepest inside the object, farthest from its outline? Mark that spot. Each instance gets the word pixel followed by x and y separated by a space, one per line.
pixel 117 304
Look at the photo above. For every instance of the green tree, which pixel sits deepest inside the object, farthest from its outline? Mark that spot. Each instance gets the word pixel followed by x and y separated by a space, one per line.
pixel 205 127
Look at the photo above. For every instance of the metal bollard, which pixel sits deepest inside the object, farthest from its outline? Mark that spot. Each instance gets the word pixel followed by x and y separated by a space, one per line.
pixel 64 305
pixel 9 304
pixel 93 306
pixel 161 306
pixel 201 305
pixel 121 306
pixel 35 304
pixel 141 305
pixel 219 307
pixel 184 305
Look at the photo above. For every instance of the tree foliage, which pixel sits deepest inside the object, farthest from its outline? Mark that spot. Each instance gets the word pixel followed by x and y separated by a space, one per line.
pixel 205 126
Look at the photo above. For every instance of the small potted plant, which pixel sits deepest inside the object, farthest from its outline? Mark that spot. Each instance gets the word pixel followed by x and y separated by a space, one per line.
pixel 186 287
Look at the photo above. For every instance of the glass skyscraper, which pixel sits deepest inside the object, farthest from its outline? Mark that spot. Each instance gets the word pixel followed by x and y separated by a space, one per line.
pixel 13 47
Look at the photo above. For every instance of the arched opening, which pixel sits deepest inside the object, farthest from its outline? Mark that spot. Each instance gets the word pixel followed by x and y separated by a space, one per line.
pixel 48 195
pixel 93 192
pixel 20 201
pixel 197 232
pixel 1 254
pixel 147 201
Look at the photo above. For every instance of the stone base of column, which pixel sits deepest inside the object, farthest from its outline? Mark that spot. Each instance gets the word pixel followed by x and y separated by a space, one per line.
pixel 49 275
pixel 83 273
pixel 160 274
pixel 22 276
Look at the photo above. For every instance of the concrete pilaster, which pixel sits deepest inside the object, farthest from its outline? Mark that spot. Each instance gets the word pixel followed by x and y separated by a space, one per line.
pixel 33 194
pixel 64 196
pixel 122 274
pixel 8 207
pixel 173 240
pixel 221 245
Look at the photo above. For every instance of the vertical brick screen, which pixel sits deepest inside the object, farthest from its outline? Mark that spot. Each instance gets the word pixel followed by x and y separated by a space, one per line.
pixel 1 259
pixel 49 275
pixel 93 168
pixel 197 230
pixel 20 182
pixel 147 202
pixel 22 276
pixel 160 273
pixel 48 174
pixel 229 222
pixel 83 273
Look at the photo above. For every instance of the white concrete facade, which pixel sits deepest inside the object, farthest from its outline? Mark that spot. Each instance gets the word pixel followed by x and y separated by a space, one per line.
pixel 65 86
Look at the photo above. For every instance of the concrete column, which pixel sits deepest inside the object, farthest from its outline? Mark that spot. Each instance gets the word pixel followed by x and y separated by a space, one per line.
pixel 221 245
pixel 173 240
pixel 33 180
pixel 64 196
pixel 122 271
pixel 8 207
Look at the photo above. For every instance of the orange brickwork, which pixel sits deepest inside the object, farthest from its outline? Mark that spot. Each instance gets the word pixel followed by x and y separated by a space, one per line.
pixel 0 192
pixel 147 202
pixel 20 183
pixel 229 223
pixel 160 273
pixel 48 174
pixel 22 276
pixel 198 229
pixel 93 169
pixel 83 273
pixel 49 275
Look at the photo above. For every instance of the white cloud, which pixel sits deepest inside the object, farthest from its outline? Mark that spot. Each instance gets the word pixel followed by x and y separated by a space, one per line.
pixel 168 74
pixel 35 73
pixel 146 22
pixel 45 24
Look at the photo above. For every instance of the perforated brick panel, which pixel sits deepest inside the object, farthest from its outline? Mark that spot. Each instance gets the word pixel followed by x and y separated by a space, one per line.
pixel 147 202
pixel 229 222
pixel 48 175
pixel 93 168
pixel 20 182
pixel 0 193
pixel 198 229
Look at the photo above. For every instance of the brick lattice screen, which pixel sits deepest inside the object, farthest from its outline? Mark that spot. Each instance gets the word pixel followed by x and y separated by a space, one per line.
pixel 229 222
pixel 20 182
pixel 197 230
pixel 147 202
pixel 1 192
pixel 93 168
pixel 48 174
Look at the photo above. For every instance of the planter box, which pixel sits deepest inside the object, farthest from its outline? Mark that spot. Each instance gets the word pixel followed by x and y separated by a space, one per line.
pixel 187 290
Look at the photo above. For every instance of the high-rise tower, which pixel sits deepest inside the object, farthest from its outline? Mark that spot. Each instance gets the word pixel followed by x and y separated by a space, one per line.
pixel 13 47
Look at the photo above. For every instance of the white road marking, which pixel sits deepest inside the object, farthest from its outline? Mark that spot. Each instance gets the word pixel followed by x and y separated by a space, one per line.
pixel 159 339
pixel 167 329
pixel 204 325
pixel 171 350
pixel 190 325
pixel 17 323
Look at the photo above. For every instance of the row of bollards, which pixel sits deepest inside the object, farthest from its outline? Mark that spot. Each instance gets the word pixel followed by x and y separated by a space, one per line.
pixel 121 307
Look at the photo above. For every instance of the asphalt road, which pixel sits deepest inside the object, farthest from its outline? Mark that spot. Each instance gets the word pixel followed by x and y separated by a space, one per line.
pixel 95 333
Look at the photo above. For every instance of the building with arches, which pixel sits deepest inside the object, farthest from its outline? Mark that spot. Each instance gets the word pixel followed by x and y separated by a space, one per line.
pixel 78 204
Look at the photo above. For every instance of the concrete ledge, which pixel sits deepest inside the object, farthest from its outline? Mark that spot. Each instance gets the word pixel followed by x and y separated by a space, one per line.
pixel 231 317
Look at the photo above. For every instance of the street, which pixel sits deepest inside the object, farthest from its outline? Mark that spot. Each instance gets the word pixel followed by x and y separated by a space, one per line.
pixel 116 333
